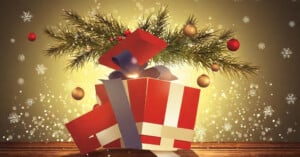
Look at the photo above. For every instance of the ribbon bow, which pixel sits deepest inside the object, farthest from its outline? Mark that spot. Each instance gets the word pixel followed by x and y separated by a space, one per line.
pixel 130 69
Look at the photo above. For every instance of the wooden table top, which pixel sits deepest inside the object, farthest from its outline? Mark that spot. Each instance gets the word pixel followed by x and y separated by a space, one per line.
pixel 206 149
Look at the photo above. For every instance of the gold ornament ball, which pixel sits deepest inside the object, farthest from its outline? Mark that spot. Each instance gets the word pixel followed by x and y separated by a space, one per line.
pixel 203 81
pixel 189 30
pixel 77 93
pixel 215 67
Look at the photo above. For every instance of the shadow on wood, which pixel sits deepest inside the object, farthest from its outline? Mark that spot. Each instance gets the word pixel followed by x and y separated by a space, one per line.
pixel 116 153
pixel 205 149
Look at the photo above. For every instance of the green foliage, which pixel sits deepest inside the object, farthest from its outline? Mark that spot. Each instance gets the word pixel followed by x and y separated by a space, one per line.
pixel 87 38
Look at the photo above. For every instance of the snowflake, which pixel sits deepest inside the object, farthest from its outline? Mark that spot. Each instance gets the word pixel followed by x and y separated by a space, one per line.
pixel 12 40
pixel 289 130
pixel 26 16
pixel 286 53
pixel 29 102
pixel 268 111
pixel 20 81
pixel 246 19
pixel 40 68
pixel 26 114
pixel 21 57
pixel 261 46
pixel 227 126
pixel 200 133
pixel 292 24
pixel 42 97
pixel 290 98
pixel 13 117
pixel 252 92
pixel 14 108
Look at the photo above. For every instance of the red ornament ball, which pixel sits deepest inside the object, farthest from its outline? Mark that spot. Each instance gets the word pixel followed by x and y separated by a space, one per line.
pixel 127 33
pixel 233 44
pixel 77 93
pixel 96 106
pixel 119 38
pixel 31 36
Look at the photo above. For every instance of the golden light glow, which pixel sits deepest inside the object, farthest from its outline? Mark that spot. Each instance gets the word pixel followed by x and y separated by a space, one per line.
pixel 133 75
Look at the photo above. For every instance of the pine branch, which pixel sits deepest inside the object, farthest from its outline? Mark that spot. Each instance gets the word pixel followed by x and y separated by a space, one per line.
pixel 145 23
pixel 160 23
pixel 113 26
pixel 80 59
pixel 234 68
pixel 191 20
pixel 203 49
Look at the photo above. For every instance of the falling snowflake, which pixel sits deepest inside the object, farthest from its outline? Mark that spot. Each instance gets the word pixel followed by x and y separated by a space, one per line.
pixel 29 102
pixel 268 111
pixel 26 16
pixel 209 31
pixel 200 133
pixel 40 68
pixel 292 24
pixel 20 81
pixel 290 130
pixel 139 6
pixel 42 97
pixel 14 108
pixel 12 40
pixel 261 46
pixel 252 92
pixel 13 117
pixel 26 114
pixel 21 57
pixel 227 126
pixel 286 53
pixel 246 19
pixel 290 98
pixel 253 88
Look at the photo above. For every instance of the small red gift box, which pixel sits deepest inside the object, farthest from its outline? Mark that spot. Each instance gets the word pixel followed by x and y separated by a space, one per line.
pixel 97 128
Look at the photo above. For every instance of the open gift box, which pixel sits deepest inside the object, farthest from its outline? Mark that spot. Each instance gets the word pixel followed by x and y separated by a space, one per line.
pixel 142 113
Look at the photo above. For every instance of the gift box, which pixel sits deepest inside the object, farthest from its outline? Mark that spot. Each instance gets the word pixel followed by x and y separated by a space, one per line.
pixel 142 45
pixel 164 112
pixel 97 128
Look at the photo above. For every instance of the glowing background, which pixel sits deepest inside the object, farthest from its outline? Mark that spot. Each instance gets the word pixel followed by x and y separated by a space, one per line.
pixel 230 109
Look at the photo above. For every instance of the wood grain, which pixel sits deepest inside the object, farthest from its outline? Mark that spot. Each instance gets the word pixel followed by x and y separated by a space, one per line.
pixel 206 149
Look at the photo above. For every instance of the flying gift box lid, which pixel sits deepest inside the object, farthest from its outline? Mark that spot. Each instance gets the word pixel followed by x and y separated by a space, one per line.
pixel 142 45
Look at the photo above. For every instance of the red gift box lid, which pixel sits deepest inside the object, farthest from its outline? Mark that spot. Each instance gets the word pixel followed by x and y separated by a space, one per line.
pixel 141 44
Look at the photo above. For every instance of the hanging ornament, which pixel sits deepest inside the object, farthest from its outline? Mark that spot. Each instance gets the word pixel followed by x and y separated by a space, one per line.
pixel 31 36
pixel 119 38
pixel 77 93
pixel 203 81
pixel 233 44
pixel 189 30
pixel 127 33
pixel 215 67
pixel 95 106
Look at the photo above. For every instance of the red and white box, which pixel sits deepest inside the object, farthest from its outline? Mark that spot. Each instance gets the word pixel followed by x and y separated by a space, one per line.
pixel 97 128
pixel 164 112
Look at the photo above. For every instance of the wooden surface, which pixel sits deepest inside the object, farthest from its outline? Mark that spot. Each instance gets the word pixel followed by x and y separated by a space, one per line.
pixel 207 149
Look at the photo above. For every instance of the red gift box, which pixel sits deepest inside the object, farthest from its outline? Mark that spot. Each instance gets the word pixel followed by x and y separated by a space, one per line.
pixel 164 112
pixel 141 44
pixel 96 128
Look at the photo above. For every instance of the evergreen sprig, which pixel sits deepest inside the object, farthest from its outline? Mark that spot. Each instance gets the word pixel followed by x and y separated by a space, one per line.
pixel 87 38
